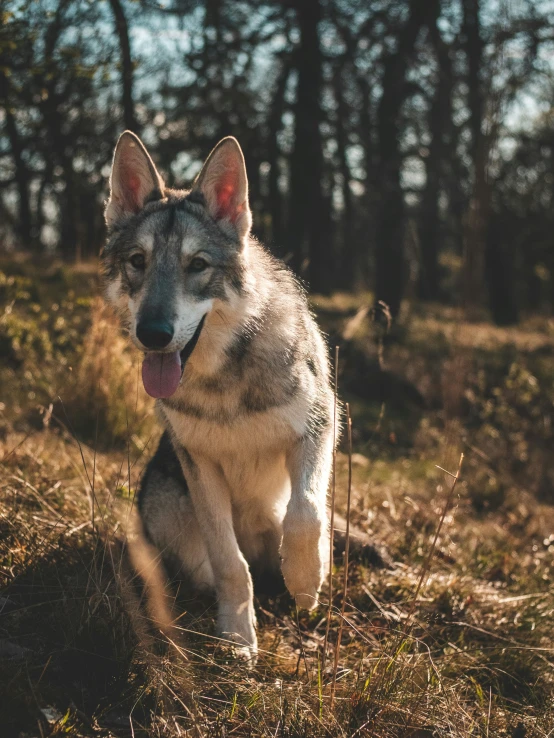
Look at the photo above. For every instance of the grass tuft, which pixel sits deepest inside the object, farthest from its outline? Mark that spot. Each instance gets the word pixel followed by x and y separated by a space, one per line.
pixel 104 401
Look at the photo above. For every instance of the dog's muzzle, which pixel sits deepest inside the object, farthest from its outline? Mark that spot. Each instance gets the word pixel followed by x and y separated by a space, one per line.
pixel 162 370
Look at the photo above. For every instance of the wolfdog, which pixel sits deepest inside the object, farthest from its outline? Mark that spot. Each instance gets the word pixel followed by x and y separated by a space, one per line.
pixel 240 372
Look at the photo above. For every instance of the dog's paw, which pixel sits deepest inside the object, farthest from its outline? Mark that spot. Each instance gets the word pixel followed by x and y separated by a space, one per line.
pixel 307 601
pixel 238 625
pixel 302 569
pixel 246 654
pixel 302 586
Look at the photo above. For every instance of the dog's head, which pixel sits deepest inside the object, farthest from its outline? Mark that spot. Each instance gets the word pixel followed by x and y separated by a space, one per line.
pixel 172 255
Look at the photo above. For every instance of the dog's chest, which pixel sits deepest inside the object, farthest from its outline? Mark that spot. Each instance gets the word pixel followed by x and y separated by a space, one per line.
pixel 247 429
pixel 252 435
pixel 237 421
pixel 250 451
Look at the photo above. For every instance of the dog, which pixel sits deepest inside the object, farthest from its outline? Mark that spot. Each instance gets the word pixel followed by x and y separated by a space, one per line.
pixel 240 373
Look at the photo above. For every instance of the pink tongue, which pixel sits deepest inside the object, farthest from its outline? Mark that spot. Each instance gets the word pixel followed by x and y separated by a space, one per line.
pixel 161 374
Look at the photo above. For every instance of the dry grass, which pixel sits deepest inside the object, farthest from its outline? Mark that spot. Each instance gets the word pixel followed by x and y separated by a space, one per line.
pixel 455 639
pixel 106 385
pixel 467 656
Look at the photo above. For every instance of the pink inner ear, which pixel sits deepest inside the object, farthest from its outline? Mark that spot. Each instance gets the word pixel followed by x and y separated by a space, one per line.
pixel 133 183
pixel 225 205
pixel 131 187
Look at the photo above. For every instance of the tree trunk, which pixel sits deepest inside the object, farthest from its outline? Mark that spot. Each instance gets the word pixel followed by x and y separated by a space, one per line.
pixel 70 242
pixel 371 180
pixel 389 262
pixel 348 263
pixel 439 116
pixel 477 216
pixel 127 99
pixel 22 176
pixel 275 197
pixel 307 236
pixel 500 270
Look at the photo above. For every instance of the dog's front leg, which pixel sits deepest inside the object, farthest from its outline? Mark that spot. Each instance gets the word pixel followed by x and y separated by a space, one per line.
pixel 211 499
pixel 305 530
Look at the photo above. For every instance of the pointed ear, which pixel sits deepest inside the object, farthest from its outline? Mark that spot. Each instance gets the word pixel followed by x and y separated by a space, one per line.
pixel 224 185
pixel 134 179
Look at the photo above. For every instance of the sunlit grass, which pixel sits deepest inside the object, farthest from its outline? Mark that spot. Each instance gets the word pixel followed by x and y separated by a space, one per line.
pixel 473 655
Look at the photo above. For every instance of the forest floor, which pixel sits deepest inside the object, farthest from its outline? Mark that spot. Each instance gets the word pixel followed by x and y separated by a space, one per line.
pixel 454 638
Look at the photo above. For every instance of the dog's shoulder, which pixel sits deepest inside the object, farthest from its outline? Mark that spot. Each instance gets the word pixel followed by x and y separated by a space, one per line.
pixel 273 384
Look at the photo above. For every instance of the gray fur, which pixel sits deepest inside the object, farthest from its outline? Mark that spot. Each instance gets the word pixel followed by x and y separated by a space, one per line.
pixel 241 474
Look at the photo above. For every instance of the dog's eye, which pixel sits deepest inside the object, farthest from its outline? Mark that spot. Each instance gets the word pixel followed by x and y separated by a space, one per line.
pixel 198 264
pixel 137 261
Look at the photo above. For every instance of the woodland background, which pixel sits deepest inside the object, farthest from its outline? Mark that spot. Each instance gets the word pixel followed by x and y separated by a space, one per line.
pixel 401 160
pixel 401 145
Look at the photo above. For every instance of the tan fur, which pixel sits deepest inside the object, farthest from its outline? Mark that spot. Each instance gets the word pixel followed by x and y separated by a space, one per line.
pixel 250 426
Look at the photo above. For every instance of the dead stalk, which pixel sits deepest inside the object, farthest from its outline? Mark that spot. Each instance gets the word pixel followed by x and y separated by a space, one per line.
pixel 346 552
pixel 405 632
pixel 427 563
pixel 92 495
pixel 332 523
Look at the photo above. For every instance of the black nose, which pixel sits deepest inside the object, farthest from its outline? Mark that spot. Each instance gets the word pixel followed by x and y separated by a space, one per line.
pixel 154 334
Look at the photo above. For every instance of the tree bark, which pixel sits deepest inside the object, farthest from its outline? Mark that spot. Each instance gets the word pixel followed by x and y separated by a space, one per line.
pixel 500 272
pixel 307 235
pixel 127 81
pixel 22 174
pixel 389 262
pixel 273 154
pixel 60 145
pixel 348 270
pixel 370 197
pixel 477 216
pixel 440 115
